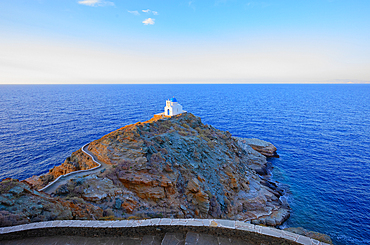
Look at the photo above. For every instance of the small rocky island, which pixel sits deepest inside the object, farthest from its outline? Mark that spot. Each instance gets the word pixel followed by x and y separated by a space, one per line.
pixel 166 180
pixel 169 166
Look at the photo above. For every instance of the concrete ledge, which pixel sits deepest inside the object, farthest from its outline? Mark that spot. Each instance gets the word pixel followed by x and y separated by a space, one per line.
pixel 254 234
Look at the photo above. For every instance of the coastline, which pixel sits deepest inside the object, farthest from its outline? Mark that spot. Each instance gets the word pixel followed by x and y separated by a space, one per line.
pixel 254 196
pixel 272 112
pixel 263 186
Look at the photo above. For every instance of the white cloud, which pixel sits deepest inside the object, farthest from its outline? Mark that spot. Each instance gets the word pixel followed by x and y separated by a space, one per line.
pixel 191 5
pixel 149 11
pixel 149 21
pixel 94 3
pixel 88 2
pixel 133 12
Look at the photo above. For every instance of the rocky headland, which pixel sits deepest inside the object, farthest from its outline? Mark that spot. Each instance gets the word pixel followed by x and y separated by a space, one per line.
pixel 173 167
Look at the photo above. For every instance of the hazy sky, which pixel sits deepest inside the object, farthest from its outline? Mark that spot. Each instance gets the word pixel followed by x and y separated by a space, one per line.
pixel 176 41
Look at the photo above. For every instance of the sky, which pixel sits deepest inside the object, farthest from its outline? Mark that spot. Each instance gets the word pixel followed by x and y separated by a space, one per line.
pixel 176 41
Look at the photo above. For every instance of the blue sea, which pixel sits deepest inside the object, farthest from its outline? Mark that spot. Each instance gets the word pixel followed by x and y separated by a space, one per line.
pixel 322 133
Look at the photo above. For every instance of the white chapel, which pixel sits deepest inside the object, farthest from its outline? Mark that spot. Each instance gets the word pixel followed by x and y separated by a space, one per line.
pixel 172 107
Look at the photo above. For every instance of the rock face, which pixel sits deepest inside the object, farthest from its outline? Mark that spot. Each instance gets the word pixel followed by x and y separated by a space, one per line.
pixel 173 167
pixel 265 148
pixel 178 167
pixel 257 161
pixel 19 204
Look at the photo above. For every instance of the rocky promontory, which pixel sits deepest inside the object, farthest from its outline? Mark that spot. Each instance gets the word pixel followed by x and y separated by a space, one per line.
pixel 174 167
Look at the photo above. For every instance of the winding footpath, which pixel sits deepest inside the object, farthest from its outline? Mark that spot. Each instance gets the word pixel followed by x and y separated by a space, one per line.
pixel 63 179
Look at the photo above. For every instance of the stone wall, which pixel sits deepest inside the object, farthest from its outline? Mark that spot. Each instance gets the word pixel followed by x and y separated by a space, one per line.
pixel 253 234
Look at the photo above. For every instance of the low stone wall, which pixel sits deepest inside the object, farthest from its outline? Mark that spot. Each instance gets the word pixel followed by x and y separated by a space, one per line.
pixel 254 234
pixel 160 115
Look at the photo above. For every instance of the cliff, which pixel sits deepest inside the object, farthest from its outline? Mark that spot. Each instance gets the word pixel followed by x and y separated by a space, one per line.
pixel 174 167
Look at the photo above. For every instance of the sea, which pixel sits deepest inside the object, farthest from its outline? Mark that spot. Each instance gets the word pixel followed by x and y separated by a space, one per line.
pixel 321 131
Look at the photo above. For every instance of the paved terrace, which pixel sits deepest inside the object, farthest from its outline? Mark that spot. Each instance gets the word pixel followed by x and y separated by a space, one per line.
pixel 150 231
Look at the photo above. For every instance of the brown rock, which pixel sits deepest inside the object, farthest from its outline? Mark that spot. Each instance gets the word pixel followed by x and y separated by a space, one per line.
pixel 233 183
pixel 253 204
pixel 129 205
pixel 168 168
pixel 265 148
pixel 153 193
pixel 164 181
pixel 202 200
pixel 146 186
pixel 96 189
pixel 193 185
pixel 200 178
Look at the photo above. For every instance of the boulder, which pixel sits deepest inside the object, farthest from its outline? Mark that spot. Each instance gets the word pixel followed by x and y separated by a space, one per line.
pixel 202 201
pixel 265 148
pixel 314 235
pixel 193 185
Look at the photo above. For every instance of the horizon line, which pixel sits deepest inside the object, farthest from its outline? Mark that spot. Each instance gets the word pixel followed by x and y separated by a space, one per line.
pixel 210 83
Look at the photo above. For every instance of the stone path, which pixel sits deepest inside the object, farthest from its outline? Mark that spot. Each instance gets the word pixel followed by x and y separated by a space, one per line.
pixel 63 179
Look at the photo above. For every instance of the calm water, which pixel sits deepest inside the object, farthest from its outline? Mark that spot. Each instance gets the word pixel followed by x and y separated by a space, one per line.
pixel 322 133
